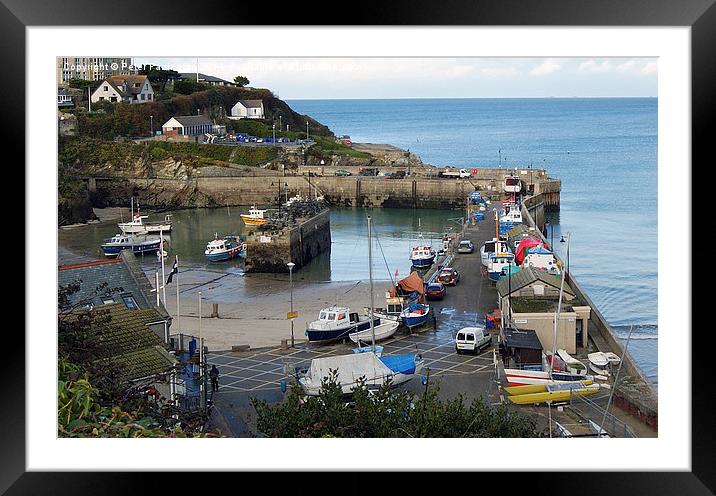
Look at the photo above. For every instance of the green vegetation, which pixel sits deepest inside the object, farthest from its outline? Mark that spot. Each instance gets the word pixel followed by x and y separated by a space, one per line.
pixel 241 80
pixel 158 77
pixel 386 413
pixel 85 154
pixel 327 146
pixel 93 398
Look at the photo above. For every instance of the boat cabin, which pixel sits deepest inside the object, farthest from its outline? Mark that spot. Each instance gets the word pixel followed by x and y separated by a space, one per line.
pixel 335 317
pixel 216 245
pixel 119 239
pixel 512 184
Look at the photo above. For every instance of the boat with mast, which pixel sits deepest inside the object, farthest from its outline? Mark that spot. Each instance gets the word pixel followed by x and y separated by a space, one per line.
pixel 422 255
pixel 365 365
pixel 137 225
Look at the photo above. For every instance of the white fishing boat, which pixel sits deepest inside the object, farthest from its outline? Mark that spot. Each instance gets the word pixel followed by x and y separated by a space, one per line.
pixel 511 184
pixel 599 363
pixel 493 247
pixel 138 226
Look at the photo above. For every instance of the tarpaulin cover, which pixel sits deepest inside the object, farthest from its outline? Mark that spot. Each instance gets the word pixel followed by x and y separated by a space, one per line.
pixel 400 364
pixel 411 283
pixel 524 245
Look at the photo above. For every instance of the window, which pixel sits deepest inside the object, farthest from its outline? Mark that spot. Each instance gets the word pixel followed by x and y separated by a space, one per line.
pixel 106 88
pixel 331 316
pixel 322 316
pixel 107 300
pixel 130 302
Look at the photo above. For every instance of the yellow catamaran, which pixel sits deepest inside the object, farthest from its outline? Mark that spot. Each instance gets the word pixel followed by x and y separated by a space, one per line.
pixel 547 393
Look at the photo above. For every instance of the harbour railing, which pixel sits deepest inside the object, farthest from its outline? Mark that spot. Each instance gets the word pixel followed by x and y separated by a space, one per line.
pixel 589 410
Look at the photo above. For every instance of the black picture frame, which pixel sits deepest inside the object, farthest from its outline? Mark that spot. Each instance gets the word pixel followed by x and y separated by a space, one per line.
pixel 700 15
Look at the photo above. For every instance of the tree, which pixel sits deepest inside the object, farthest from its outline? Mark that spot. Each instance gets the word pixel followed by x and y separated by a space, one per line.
pixel 159 76
pixel 386 413
pixel 241 81
pixel 187 87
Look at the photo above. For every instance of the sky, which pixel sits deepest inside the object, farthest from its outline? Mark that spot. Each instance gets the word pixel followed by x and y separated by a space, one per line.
pixel 418 77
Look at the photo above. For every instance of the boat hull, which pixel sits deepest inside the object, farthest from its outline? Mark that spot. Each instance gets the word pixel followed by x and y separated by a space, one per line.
pixel 415 320
pixel 235 252
pixel 519 377
pixel 383 331
pixel 422 262
pixel 331 335
pixel 250 221
pixel 112 251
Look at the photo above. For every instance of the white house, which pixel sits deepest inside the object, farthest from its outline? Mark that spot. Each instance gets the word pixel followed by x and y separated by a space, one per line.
pixel 247 109
pixel 128 89
pixel 188 125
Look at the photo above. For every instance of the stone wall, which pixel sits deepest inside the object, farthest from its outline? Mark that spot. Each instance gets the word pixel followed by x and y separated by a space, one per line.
pixel 270 251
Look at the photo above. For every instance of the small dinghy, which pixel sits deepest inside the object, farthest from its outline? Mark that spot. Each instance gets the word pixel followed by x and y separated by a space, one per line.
pixel 382 331
pixel 599 363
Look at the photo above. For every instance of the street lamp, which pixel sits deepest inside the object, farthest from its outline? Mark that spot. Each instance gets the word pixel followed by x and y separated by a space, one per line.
pixel 291 265
pixel 151 125
pixel 273 126
pixel 306 130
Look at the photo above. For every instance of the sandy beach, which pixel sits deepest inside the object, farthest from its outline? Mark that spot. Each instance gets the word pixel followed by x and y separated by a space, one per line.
pixel 252 309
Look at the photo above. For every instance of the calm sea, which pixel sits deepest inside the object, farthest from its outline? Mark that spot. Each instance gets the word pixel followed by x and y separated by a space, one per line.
pixel 603 149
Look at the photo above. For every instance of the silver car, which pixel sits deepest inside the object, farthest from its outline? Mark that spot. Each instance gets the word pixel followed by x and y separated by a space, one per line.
pixel 465 246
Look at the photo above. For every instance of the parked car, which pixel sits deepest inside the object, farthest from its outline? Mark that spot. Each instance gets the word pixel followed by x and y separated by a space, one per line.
pixel 465 246
pixel 435 291
pixel 449 276
pixel 369 171
pixel 341 172
pixel 472 339
pixel 398 175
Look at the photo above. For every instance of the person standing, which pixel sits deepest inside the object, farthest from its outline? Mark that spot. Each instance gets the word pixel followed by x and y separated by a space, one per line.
pixel 214 375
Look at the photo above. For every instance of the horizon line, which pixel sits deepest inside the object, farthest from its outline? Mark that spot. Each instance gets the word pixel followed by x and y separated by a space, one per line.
pixel 466 97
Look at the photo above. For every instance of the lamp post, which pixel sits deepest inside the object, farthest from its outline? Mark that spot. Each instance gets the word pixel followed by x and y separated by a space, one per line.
pixel 291 265
pixel 273 127
pixel 563 241
pixel 279 123
pixel 306 130
pixel 151 125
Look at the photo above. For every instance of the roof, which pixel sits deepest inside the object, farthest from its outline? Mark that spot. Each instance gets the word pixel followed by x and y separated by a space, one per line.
pixel 251 103
pixel 102 280
pixel 525 277
pixel 203 77
pixel 192 120
pixel 118 81
pixel 130 341
pixel 521 338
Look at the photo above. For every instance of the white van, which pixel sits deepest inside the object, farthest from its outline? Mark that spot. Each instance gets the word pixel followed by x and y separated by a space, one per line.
pixel 472 339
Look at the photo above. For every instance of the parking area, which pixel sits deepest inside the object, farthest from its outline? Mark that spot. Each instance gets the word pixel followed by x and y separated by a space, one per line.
pixel 250 372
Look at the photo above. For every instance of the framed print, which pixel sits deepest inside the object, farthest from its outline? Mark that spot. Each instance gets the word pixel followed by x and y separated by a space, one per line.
pixel 465 223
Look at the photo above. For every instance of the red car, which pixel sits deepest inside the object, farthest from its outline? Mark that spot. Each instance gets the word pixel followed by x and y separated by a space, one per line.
pixel 435 291
pixel 449 276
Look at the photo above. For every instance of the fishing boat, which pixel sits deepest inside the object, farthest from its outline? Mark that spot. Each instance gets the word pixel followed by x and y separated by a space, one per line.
pixel 255 217
pixel 498 262
pixel 415 314
pixel 336 323
pixel 137 243
pixel 509 219
pixel 511 184
pixel 599 363
pixel 492 247
pixel 421 254
pixel 550 393
pixel 382 331
pixel 541 258
pixel 137 225
pixel 225 248
pixel 367 366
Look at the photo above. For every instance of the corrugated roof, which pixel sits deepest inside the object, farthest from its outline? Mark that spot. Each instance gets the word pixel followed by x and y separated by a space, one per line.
pixel 525 277
pixel 521 338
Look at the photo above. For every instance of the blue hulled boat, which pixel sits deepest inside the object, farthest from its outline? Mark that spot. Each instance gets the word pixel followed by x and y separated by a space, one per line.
pixel 138 244
pixel 415 314
pixel 226 248
pixel 335 323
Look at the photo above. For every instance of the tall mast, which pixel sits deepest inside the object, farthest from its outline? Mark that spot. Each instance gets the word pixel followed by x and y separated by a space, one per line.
pixel 370 278
pixel 556 318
